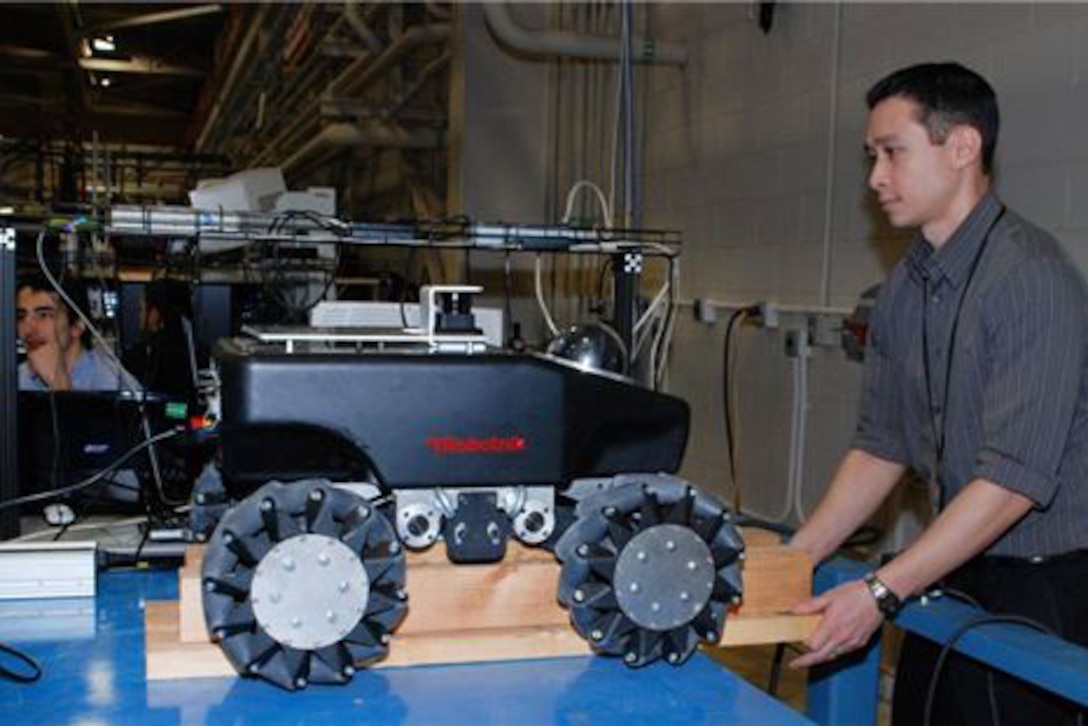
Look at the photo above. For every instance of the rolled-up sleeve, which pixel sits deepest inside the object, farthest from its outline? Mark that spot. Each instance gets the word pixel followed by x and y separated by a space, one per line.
pixel 880 425
pixel 1037 340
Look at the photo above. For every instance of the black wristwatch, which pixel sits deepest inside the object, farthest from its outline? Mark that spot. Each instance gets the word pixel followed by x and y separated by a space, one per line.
pixel 887 602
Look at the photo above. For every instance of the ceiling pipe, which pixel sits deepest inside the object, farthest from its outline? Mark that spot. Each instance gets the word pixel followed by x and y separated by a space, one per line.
pixel 430 70
pixel 573 45
pixel 358 24
pixel 166 16
pixel 232 76
pixel 376 134
pixel 366 70
pixel 357 77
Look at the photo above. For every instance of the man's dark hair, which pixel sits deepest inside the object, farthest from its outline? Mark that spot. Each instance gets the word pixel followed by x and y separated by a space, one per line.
pixel 173 300
pixel 947 95
pixel 74 289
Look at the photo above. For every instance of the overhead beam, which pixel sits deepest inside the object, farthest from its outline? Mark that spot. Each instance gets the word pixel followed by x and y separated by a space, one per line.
pixel 166 16
pixel 138 64
pixel 26 53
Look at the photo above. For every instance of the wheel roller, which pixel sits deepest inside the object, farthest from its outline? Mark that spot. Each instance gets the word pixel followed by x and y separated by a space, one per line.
pixel 303 583
pixel 650 567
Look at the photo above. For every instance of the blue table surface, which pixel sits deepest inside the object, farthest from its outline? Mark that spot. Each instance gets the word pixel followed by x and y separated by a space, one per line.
pixel 92 654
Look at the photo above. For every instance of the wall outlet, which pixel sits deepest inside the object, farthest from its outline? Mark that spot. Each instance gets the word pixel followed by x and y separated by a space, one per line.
pixel 824 331
pixel 705 312
pixel 769 315
pixel 797 344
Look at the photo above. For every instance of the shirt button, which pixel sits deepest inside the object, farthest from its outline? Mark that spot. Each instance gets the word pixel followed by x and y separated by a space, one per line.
pixel 936 298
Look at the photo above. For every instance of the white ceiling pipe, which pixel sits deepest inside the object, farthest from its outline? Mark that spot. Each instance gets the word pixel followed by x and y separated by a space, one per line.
pixel 573 45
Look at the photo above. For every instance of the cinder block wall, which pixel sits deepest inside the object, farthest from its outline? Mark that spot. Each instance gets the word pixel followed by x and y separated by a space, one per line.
pixel 736 156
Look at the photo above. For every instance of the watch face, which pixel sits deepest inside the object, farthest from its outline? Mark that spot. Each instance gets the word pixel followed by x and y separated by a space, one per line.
pixel 887 602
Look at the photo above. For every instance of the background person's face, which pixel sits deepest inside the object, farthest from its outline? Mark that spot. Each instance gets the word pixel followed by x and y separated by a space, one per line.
pixel 42 320
pixel 914 178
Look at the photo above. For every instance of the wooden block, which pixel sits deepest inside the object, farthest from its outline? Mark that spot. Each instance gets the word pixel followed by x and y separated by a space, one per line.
pixel 190 595
pixel 167 657
pixel 776 577
pixel 502 611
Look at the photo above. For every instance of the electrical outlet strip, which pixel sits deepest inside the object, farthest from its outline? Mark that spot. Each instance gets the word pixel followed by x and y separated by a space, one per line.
pixel 47 570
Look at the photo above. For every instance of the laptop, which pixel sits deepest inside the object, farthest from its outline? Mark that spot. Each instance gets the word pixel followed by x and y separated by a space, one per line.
pixel 67 437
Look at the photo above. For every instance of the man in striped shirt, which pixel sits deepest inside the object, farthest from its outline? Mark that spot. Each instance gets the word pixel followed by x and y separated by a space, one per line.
pixel 976 378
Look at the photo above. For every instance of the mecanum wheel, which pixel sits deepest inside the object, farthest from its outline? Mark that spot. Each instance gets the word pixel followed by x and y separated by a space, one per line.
pixel 303 583
pixel 650 568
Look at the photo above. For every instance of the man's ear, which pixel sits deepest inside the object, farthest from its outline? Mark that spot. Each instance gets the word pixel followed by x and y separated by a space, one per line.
pixel 966 145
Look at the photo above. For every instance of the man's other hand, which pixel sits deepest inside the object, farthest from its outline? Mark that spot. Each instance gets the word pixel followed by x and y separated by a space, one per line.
pixel 850 617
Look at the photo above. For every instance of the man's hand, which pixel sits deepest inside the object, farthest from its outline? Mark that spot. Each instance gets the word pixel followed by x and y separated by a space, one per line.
pixel 850 617
pixel 45 359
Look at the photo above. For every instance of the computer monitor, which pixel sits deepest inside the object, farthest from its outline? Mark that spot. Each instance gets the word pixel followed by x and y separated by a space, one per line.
pixel 66 437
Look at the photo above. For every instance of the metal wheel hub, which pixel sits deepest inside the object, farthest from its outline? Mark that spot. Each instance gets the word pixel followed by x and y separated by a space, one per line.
pixel 664 577
pixel 309 591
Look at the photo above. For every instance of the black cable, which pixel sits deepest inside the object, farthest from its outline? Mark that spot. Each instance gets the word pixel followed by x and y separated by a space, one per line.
pixel 864 536
pixel 143 540
pixel 507 301
pixel 938 417
pixel 730 441
pixel 404 288
pixel 94 478
pixel 956 636
pixel 747 520
pixel 35 669
pixel 63 529
pixel 776 669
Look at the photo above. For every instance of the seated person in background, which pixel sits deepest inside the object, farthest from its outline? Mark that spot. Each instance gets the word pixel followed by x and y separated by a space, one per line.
pixel 60 352
pixel 165 357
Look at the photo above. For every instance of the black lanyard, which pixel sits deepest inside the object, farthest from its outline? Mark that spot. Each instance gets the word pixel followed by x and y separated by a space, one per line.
pixel 938 417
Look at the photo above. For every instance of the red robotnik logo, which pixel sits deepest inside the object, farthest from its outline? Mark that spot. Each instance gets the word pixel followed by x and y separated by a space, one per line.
pixel 444 445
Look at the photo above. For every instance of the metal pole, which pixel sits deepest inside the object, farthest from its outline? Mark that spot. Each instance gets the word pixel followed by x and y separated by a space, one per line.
pixel 9 468
pixel 626 271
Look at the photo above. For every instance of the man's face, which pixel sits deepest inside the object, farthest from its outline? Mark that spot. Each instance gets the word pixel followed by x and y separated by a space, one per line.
pixel 914 178
pixel 42 321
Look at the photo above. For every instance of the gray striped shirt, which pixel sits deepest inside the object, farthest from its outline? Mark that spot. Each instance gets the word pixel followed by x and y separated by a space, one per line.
pixel 1016 407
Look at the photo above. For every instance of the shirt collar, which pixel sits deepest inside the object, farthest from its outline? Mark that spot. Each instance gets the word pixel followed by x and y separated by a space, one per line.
pixel 83 368
pixel 954 259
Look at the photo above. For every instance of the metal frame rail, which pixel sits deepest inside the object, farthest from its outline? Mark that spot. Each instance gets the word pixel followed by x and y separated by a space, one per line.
pixel 626 247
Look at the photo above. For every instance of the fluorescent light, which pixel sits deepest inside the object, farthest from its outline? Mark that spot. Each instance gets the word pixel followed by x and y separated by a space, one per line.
pixel 104 44
pixel 7 210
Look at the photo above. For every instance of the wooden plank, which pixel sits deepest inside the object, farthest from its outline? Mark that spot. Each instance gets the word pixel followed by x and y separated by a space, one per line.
pixel 504 611
pixel 168 658
pixel 522 588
